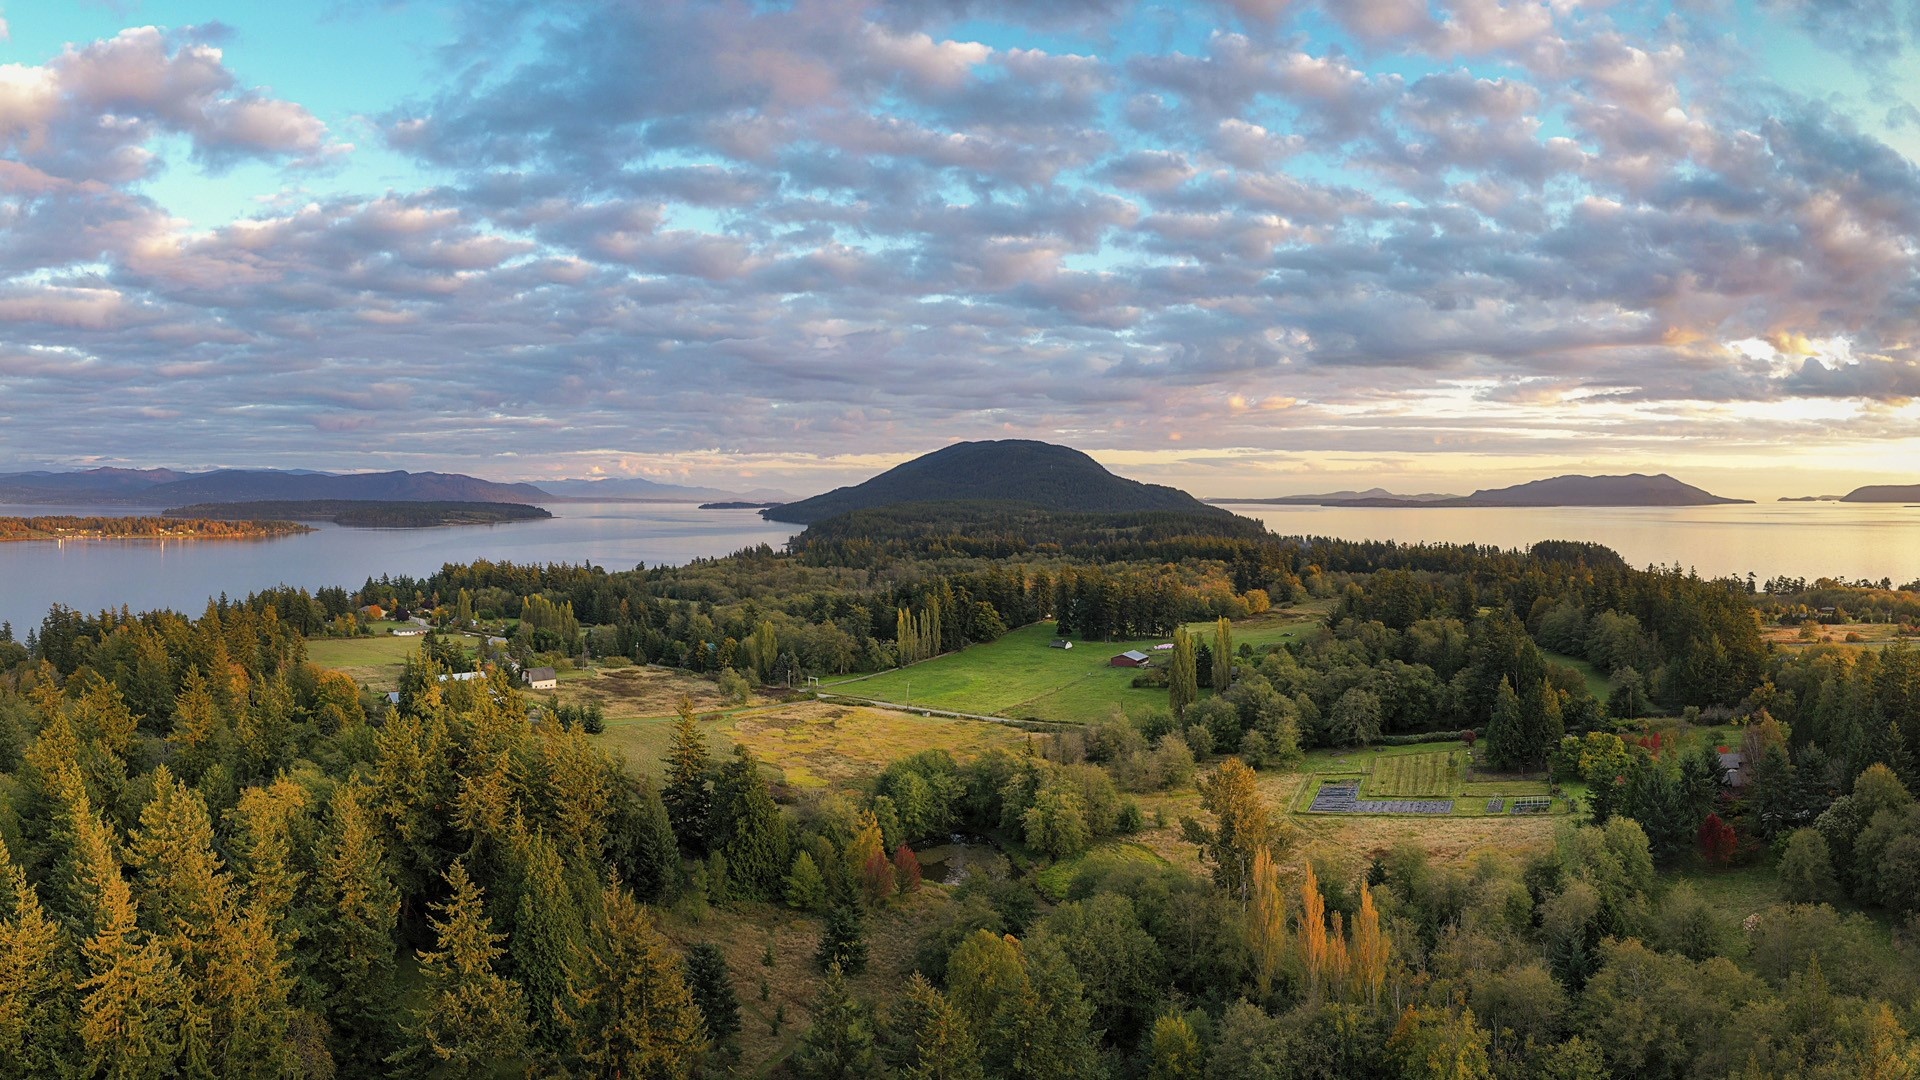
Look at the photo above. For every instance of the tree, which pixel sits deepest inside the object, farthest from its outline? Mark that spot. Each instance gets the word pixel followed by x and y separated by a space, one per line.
pixel 688 793
pixel 1222 655
pixel 1627 695
pixel 1371 949
pixel 840 1045
pixel 357 909
pixel 1432 1043
pixel 766 650
pixel 748 828
pixel 547 930
pixel 1174 1048
pixel 906 869
pixel 131 1021
pixel 35 987
pixel 1806 870
pixel 1717 839
pixel 866 859
pixel 712 989
pixel 1241 827
pixel 1056 823
pixel 1506 731
pixel 1266 920
pixel 1356 717
pixel 472 1016
pixel 1183 687
pixel 933 1041
pixel 843 942
pixel 1313 932
pixel 629 1010
pixel 806 889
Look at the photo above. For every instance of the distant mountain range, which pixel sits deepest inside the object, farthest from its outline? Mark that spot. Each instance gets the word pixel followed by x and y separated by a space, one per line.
pixel 1336 498
pixel 1007 470
pixel 167 487
pixel 1884 493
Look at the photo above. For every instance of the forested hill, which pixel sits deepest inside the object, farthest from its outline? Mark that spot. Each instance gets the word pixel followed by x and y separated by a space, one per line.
pixel 1008 470
pixel 161 487
pixel 1635 489
pixel 1884 493
pixel 367 514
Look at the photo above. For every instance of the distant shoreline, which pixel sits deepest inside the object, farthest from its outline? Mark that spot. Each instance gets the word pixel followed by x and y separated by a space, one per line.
pixel 63 527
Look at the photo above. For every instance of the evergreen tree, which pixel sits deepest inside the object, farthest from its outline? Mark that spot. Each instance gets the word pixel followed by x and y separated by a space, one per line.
pixel 931 1040
pixel 629 1010
pixel 472 1016
pixel 688 793
pixel 712 989
pixel 131 1012
pixel 840 1045
pixel 35 984
pixel 806 889
pixel 547 928
pixel 843 942
pixel 1054 1037
pixel 1506 735
pixel 640 840
pixel 749 829
pixel 357 907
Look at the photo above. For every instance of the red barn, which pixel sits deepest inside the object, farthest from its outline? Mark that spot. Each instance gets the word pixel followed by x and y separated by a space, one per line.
pixel 1131 658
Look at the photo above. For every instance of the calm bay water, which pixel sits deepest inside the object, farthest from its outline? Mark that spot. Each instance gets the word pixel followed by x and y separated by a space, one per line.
pixel 89 575
pixel 1795 539
pixel 1843 540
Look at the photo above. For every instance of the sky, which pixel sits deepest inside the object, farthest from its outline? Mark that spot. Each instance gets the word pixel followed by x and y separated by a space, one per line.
pixel 1248 247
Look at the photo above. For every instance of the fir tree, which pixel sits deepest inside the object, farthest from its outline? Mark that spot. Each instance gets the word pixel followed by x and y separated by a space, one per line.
pixel 931 1040
pixel 35 985
pixel 131 1015
pixel 688 793
pixel 472 1016
pixel 1506 734
pixel 840 1045
pixel 629 1012
pixel 357 907
pixel 843 942
pixel 806 889
pixel 712 989
pixel 546 934
pixel 749 829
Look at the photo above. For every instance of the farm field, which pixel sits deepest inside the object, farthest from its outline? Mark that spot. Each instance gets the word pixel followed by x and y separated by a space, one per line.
pixel 640 691
pixel 1019 676
pixel 376 661
pixel 1424 771
pixel 1399 776
pixel 814 744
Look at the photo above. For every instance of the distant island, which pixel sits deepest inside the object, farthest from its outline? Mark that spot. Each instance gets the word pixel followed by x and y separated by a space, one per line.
pixel 1813 498
pixel 1635 489
pixel 1337 498
pixel 1884 493
pixel 143 528
pixel 367 514
pixel 1018 471
pixel 738 505
pixel 169 487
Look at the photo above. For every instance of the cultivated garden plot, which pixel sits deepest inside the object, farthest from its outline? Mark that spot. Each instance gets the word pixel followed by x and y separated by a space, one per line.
pixel 1432 779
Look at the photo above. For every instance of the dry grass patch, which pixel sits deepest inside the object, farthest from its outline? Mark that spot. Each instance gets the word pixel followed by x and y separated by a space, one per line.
pixel 632 692
pixel 820 745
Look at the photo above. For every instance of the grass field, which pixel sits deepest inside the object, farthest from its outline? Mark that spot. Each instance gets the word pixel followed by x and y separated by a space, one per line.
pixel 814 744
pixel 1423 771
pixel 1869 635
pixel 376 661
pixel 1019 676
pixel 1596 682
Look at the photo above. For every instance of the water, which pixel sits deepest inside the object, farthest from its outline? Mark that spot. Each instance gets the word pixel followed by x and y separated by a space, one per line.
pixel 89 575
pixel 1810 540
pixel 1769 539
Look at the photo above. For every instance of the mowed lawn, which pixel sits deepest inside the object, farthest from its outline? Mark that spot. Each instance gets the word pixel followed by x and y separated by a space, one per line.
pixel 1020 676
pixel 377 661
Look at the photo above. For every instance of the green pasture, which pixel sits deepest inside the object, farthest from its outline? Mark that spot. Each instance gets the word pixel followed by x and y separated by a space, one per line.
pixel 376 661
pixel 1020 676
pixel 1424 771
pixel 1596 682
pixel 1411 776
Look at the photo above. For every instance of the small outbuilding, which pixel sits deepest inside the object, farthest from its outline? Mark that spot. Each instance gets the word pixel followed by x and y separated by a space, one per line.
pixel 1131 658
pixel 542 678
pixel 1734 766
pixel 1059 643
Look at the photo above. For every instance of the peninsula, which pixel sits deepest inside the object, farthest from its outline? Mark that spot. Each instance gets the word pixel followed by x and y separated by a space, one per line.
pixel 143 528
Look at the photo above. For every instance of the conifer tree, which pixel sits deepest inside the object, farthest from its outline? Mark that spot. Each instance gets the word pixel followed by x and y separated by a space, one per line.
pixel 357 907
pixel 933 1041
pixel 1506 734
pixel 712 989
pixel 546 936
pixel 643 847
pixel 843 942
pixel 806 889
pixel 1054 1037
pixel 688 791
pixel 749 829
pixel 131 1015
pixel 1266 920
pixel 629 1012
pixel 840 1045
pixel 35 984
pixel 200 734
pixel 472 1016
pixel 186 907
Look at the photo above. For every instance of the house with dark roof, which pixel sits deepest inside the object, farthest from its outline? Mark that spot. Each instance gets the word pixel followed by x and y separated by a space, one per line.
pixel 1735 765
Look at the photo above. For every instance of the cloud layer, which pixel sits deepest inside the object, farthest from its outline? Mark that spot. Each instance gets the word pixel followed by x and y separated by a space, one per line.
pixel 766 233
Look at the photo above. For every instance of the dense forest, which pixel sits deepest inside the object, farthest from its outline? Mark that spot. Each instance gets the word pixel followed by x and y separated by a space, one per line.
pixel 222 860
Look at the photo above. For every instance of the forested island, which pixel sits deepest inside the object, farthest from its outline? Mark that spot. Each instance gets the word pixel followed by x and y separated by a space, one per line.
pixel 1365 810
pixel 369 514
pixel 170 527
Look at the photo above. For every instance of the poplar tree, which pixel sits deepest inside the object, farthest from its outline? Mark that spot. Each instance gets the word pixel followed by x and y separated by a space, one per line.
pixel 1313 932
pixel 1222 655
pixel 629 1012
pixel 1266 920
pixel 766 650
pixel 687 793
pixel 1371 949
pixel 1183 685
pixel 356 909
pixel 472 1016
